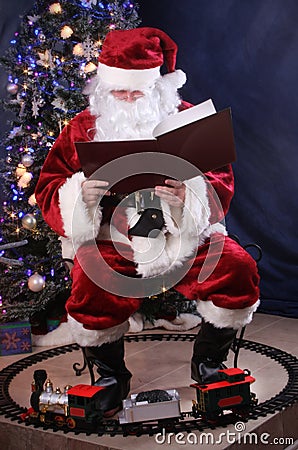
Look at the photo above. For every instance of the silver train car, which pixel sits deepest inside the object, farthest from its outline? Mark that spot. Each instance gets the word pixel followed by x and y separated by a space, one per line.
pixel 144 407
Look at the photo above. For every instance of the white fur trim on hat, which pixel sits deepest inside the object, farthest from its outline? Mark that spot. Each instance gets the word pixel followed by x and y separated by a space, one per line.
pixel 131 79
pixel 80 223
pixel 176 79
pixel 226 318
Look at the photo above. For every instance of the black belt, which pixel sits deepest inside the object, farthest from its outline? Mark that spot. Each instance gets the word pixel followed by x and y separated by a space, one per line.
pixel 148 206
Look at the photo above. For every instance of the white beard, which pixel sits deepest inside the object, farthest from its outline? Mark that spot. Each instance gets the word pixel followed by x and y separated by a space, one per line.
pixel 118 119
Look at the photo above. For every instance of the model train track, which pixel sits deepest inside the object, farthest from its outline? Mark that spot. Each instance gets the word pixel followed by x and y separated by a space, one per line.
pixel 286 397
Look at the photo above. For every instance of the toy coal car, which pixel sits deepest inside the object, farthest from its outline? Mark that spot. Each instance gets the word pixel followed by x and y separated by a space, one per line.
pixel 150 405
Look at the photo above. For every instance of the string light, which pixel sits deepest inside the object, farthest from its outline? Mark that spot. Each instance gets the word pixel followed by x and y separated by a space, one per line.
pixel 46 78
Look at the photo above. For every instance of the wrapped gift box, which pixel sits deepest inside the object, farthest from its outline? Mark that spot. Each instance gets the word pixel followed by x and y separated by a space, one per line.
pixel 15 338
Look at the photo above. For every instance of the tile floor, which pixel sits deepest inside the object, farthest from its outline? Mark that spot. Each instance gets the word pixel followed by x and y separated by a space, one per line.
pixel 166 365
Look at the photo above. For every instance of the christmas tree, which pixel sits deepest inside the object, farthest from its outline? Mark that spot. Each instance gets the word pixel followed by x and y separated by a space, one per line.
pixel 49 62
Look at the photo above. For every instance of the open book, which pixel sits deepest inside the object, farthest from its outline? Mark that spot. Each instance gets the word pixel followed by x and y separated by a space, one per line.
pixel 196 139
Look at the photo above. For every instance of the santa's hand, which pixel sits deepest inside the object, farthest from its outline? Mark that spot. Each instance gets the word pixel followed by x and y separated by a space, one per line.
pixel 93 190
pixel 174 195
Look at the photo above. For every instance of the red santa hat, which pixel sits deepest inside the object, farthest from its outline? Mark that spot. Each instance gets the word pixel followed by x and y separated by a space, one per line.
pixel 131 59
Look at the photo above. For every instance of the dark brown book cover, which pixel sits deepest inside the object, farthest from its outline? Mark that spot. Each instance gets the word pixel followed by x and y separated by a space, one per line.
pixel 202 145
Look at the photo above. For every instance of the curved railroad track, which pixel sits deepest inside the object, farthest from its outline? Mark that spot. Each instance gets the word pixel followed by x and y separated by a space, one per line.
pixel 286 397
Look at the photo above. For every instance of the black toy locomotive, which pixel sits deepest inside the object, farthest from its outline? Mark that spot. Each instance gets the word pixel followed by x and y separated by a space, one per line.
pixel 79 407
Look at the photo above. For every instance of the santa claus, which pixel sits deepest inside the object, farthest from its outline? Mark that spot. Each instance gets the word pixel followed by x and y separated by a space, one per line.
pixel 128 98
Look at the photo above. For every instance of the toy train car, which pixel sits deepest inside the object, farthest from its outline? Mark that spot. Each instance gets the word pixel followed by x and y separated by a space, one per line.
pixel 151 405
pixel 75 407
pixel 80 406
pixel 231 392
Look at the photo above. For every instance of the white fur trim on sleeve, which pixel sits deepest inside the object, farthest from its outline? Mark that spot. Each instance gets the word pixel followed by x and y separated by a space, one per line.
pixel 196 212
pixel 226 318
pixel 67 248
pixel 80 222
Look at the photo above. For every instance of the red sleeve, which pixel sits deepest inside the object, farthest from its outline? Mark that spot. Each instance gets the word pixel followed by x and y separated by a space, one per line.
pixel 221 191
pixel 61 163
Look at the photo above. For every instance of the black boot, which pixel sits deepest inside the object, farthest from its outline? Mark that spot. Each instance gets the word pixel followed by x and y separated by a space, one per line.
pixel 211 348
pixel 109 360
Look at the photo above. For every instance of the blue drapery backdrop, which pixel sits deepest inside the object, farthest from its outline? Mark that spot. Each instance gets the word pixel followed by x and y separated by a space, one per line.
pixel 242 54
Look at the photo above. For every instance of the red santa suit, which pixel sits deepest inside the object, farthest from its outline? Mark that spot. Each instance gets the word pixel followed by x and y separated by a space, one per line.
pixel 197 240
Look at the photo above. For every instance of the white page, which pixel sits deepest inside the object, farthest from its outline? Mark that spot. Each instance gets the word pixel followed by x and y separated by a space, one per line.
pixel 182 118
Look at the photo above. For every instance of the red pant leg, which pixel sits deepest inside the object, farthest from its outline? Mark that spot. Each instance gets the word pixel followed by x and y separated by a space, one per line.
pixel 90 303
pixel 233 283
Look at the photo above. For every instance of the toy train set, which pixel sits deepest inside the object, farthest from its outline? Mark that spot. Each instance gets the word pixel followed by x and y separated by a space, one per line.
pixel 79 407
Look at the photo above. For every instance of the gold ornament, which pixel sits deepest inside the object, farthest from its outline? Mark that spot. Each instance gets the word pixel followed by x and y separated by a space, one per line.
pixel 32 200
pixel 90 67
pixel 29 222
pixel 25 180
pixel 20 170
pixel 78 50
pixel 66 32
pixel 36 282
pixel 55 8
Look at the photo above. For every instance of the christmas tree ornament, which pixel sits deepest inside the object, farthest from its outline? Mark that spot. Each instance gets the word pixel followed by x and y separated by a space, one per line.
pixel 78 50
pixel 90 49
pixel 42 37
pixel 41 102
pixel 27 160
pixel 55 8
pixel 33 19
pixel 44 90
pixel 46 59
pixel 59 104
pixel 32 200
pixel 35 107
pixel 90 67
pixel 25 180
pixel 20 170
pixel 29 222
pixel 12 88
pixel 36 282
pixel 66 32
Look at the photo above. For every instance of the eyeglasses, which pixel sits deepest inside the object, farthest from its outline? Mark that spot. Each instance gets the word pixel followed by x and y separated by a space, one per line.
pixel 127 96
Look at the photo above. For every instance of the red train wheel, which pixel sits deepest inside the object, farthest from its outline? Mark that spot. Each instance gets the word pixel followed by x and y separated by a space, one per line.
pixel 71 423
pixel 59 421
